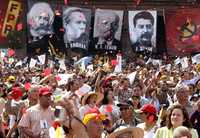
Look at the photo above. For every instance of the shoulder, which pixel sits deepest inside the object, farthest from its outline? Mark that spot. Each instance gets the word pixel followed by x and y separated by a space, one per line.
pixel 34 108
pixel 140 125
pixel 162 130
pixel 194 133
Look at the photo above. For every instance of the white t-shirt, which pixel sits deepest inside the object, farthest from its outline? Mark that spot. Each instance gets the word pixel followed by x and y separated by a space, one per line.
pixel 147 134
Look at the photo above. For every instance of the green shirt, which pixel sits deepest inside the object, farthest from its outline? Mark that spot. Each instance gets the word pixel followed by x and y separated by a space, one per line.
pixel 164 132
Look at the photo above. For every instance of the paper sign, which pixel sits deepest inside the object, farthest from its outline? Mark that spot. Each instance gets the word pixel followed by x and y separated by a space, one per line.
pixel 196 59
pixel 131 77
pixel 184 62
pixel 19 63
pixel 42 59
pixel 64 78
pixel 62 64
pixel 118 67
pixel 177 61
pixel 43 124
pixel 32 63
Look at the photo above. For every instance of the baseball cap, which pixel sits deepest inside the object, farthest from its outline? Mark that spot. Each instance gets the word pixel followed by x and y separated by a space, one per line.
pixel 44 91
pixel 16 93
pixel 147 108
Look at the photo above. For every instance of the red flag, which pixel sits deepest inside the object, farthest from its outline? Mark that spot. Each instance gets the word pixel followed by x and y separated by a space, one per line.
pixel 114 62
pixel 47 71
pixel 19 26
pixel 65 2
pixel 11 52
pixel 109 108
pixel 27 86
pixel 182 31
pixel 58 78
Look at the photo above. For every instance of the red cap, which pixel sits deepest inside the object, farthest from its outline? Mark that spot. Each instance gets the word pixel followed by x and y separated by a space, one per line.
pixel 44 91
pixel 148 108
pixel 16 93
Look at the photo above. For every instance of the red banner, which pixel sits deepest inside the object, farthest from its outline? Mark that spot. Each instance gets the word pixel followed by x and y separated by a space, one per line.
pixel 183 31
pixel 10 13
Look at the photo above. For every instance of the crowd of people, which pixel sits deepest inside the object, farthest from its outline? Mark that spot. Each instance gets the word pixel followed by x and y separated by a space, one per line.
pixel 143 100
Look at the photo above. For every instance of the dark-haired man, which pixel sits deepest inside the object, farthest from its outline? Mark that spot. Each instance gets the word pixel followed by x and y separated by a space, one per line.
pixel 143 26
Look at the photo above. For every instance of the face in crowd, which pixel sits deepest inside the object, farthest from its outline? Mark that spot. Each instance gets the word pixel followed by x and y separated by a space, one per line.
pixel 107 25
pixel 178 116
pixel 76 25
pixel 143 23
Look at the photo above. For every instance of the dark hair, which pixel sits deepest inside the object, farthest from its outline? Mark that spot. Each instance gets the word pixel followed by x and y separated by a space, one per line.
pixel 186 122
pixel 105 98
pixel 143 15
pixel 124 79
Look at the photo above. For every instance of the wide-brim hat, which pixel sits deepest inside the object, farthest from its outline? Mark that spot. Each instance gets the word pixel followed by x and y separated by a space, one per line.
pixel 136 132
pixel 87 95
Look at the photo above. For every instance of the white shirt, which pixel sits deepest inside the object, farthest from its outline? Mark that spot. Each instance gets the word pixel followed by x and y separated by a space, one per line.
pixel 147 134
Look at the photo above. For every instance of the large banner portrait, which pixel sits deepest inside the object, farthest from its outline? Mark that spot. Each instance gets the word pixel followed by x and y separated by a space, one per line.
pixel 182 31
pixel 40 18
pixel 42 36
pixel 76 24
pixel 142 30
pixel 11 23
pixel 107 30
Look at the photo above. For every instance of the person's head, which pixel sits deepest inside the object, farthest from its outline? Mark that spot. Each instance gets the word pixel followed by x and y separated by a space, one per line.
pixel 137 90
pixel 148 113
pixel 143 24
pixel 198 105
pixel 40 18
pixel 136 101
pixel 182 93
pixel 191 88
pixel 177 116
pixel 45 97
pixel 75 23
pixel 182 132
pixel 33 95
pixel 72 85
pixel 127 132
pixel 126 110
pixel 125 83
pixel 107 24
pixel 89 98
pixel 198 84
pixel 94 124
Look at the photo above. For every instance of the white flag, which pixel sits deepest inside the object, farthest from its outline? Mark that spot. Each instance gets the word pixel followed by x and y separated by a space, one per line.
pixel 177 61
pixel 62 64
pixel 19 63
pixel 63 78
pixel 42 59
pixel 184 62
pixel 196 59
pixel 32 63
pixel 118 67
pixel 131 77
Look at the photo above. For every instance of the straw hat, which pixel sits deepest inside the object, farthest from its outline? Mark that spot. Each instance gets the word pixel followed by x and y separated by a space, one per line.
pixel 87 95
pixel 136 132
